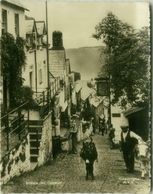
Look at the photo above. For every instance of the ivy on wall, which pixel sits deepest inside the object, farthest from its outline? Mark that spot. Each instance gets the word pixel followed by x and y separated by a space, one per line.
pixel 13 59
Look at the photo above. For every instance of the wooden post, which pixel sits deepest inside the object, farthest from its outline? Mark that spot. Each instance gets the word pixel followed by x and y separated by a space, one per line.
pixel 28 121
pixel 109 95
pixel 43 98
pixel 19 123
pixel 7 131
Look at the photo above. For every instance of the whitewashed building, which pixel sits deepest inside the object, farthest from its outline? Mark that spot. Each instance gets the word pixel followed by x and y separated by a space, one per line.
pixel 12 21
pixel 35 71
pixel 12 18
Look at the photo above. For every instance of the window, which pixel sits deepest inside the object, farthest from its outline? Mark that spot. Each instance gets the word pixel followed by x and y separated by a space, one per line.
pixel 40 76
pixel 29 40
pixel 4 21
pixel 102 88
pixel 30 76
pixel 17 24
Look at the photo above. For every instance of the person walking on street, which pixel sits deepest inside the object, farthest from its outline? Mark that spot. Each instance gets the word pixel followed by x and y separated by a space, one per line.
pixel 93 125
pixel 89 155
pixel 129 140
pixel 73 134
pixel 111 138
pixel 102 126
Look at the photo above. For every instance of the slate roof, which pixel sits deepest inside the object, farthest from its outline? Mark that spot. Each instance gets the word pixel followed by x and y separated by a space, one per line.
pixel 40 25
pixel 132 111
pixel 14 3
pixel 29 26
pixel 86 92
pixel 96 100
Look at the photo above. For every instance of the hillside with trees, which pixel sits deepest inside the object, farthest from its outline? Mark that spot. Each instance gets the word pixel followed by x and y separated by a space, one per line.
pixel 86 60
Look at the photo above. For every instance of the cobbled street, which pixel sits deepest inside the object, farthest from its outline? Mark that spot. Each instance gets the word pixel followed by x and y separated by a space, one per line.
pixel 67 174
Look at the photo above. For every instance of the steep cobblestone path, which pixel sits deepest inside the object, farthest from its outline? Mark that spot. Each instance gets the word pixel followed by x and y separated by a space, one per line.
pixel 67 174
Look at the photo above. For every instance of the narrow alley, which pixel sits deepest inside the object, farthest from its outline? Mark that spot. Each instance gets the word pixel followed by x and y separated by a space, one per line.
pixel 67 174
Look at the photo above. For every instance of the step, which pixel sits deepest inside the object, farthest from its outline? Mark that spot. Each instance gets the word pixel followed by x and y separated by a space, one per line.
pixel 34 133
pixel 34 151
pixel 36 126
pixel 35 136
pixel 34 155
pixel 35 140
pixel 34 158
pixel 35 122
pixel 33 165
pixel 35 130
pixel 33 147
pixel 34 143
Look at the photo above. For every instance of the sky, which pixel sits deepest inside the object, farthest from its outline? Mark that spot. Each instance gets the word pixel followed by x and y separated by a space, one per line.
pixel 77 19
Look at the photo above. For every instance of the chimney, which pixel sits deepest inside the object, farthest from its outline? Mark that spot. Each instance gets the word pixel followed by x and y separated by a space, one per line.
pixel 57 40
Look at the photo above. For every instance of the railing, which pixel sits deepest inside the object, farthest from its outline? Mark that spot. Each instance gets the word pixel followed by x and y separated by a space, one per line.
pixel 55 86
pixel 14 126
pixel 43 99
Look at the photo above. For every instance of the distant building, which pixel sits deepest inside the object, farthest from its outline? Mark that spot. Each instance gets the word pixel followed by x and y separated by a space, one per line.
pixel 59 67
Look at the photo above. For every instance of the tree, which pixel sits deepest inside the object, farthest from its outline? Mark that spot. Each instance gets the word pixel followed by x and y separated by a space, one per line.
pixel 26 95
pixel 12 60
pixel 127 58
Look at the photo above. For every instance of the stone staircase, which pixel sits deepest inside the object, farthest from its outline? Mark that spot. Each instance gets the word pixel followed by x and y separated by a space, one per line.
pixel 35 133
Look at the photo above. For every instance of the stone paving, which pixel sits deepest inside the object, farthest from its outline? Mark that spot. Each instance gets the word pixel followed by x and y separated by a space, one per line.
pixel 67 174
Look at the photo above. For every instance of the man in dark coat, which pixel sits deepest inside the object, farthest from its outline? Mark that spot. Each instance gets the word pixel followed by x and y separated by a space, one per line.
pixel 128 142
pixel 111 138
pixel 73 134
pixel 89 155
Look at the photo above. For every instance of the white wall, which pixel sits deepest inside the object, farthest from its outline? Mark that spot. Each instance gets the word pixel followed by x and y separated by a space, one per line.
pixel 11 20
pixel 116 121
pixel 30 67
pixel 42 64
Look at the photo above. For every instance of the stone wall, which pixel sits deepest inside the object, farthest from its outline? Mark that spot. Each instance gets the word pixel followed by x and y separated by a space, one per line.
pixel 45 150
pixel 17 161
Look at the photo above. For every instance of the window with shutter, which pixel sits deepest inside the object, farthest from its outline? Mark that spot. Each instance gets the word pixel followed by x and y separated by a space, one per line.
pixel 17 24
pixel 4 21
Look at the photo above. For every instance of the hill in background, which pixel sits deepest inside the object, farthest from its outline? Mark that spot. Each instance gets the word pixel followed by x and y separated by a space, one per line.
pixel 86 60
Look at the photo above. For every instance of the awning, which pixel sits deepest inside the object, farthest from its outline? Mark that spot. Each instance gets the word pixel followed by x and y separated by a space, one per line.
pixel 86 92
pixel 64 106
pixel 132 111
pixel 62 102
pixel 78 87
pixel 102 116
pixel 95 101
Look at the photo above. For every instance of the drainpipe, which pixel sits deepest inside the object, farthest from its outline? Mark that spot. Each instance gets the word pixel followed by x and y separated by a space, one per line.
pixel 35 56
pixel 47 54
pixel 109 95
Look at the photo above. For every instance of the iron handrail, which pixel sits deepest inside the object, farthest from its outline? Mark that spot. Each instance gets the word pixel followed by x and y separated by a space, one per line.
pixel 14 110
